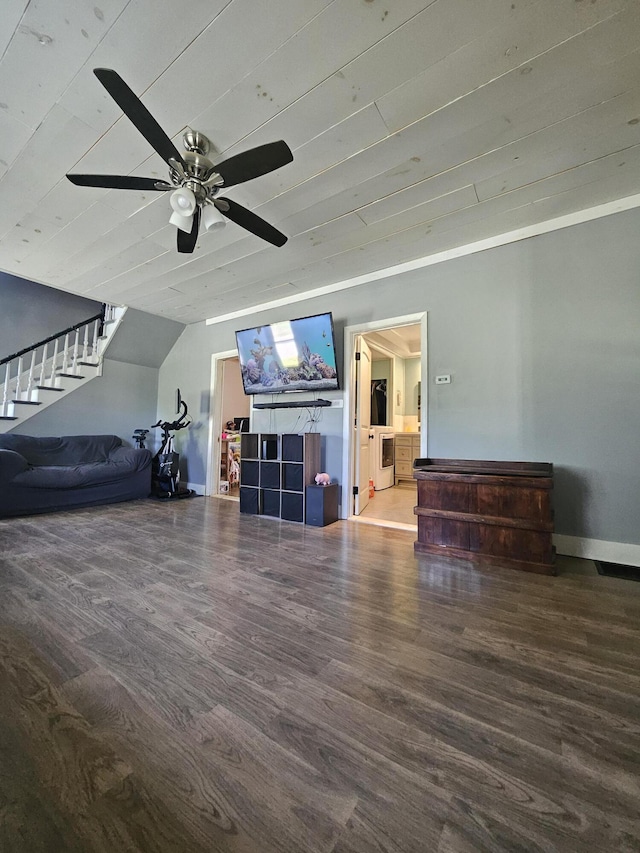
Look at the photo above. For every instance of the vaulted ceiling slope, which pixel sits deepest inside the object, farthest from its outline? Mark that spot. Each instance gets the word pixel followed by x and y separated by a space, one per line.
pixel 417 126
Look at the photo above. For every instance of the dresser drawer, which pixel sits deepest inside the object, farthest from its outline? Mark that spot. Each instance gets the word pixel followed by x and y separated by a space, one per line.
pixel 403 469
pixel 403 438
pixel 403 453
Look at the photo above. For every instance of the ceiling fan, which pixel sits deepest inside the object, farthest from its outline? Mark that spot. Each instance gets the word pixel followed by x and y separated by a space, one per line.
pixel 195 180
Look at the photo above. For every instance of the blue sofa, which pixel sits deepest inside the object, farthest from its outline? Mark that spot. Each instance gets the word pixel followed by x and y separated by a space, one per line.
pixel 49 474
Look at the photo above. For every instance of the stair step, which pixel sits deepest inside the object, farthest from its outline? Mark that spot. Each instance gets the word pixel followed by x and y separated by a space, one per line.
pixel 8 418
pixel 71 375
pixel 90 363
pixel 26 403
pixel 48 388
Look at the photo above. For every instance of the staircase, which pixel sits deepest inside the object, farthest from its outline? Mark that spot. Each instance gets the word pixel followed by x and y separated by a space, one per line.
pixel 44 373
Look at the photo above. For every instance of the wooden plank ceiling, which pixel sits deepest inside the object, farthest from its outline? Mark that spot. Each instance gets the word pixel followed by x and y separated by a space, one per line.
pixel 417 126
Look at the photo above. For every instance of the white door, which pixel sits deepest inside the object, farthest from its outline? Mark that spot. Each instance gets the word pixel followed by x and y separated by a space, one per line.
pixel 362 424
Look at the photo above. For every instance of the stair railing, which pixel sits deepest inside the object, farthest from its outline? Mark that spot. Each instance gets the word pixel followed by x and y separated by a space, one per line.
pixel 44 371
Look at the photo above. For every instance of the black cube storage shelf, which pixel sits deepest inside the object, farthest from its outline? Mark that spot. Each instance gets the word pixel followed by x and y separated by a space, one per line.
pixel 275 470
pixel 270 502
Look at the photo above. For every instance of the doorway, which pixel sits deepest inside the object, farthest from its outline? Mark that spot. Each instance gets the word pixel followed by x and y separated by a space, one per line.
pixel 230 416
pixel 385 412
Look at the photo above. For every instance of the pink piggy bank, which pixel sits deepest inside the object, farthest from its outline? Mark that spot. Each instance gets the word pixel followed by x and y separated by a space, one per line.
pixel 323 479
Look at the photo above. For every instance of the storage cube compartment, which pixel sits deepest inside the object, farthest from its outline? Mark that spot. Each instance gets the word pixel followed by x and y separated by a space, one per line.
pixel 270 475
pixel 269 446
pixel 270 499
pixel 249 500
pixel 292 477
pixel 293 448
pixel 249 445
pixel 249 472
pixel 292 507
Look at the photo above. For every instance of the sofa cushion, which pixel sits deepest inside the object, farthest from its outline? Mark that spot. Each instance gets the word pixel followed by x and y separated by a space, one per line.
pixel 65 450
pixel 75 476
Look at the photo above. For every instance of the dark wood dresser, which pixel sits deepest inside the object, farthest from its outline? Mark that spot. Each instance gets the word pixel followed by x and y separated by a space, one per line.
pixel 499 512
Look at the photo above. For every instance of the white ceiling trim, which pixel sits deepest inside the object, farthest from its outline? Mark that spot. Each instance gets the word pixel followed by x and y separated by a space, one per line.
pixel 536 230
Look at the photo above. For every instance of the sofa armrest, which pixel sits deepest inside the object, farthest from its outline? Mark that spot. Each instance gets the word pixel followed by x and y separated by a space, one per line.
pixel 11 464
pixel 138 459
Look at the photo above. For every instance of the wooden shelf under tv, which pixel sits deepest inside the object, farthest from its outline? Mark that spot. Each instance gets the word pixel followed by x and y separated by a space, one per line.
pixel 294 404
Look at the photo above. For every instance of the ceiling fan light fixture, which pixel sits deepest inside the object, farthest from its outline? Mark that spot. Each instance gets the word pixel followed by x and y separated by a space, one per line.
pixel 183 201
pixel 184 223
pixel 212 219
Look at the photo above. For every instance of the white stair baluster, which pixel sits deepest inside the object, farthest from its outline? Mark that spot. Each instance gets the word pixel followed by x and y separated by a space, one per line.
pixel 18 380
pixel 5 390
pixel 85 344
pixel 94 344
pixel 96 326
pixel 32 368
pixel 52 380
pixel 65 355
pixel 43 366
pixel 76 346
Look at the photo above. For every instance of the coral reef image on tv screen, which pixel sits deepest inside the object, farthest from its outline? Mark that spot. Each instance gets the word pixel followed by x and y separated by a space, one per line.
pixel 295 355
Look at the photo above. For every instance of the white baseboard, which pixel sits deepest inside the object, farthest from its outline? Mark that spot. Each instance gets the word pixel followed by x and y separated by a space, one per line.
pixel 198 488
pixel 625 553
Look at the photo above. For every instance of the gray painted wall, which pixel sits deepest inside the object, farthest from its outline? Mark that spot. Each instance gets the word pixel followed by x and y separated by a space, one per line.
pixel 144 338
pixel 30 312
pixel 541 339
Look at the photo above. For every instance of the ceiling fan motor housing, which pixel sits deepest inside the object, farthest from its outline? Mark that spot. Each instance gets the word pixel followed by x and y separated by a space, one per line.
pixel 196 166
pixel 193 140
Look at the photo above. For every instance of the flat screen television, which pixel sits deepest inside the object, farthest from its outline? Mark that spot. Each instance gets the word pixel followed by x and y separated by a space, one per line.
pixel 294 355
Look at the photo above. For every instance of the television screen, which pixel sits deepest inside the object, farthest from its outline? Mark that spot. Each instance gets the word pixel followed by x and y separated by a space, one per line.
pixel 294 355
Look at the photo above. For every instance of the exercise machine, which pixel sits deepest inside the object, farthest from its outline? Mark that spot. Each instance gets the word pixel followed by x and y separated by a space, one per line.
pixel 165 468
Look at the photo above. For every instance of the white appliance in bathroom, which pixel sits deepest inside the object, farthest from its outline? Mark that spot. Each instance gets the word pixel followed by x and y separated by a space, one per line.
pixel 382 461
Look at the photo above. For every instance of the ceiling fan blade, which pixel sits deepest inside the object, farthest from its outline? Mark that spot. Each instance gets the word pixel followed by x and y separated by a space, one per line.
pixel 187 242
pixel 251 221
pixel 254 162
pixel 136 112
pixel 119 182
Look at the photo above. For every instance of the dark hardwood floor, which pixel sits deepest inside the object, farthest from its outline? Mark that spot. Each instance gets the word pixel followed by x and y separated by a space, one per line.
pixel 179 678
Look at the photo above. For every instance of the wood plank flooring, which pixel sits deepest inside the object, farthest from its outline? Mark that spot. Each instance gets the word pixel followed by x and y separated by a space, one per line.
pixel 394 504
pixel 179 678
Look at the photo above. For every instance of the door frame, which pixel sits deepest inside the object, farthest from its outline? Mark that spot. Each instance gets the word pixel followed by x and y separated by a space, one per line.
pixel 348 432
pixel 215 420
pixel 362 398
